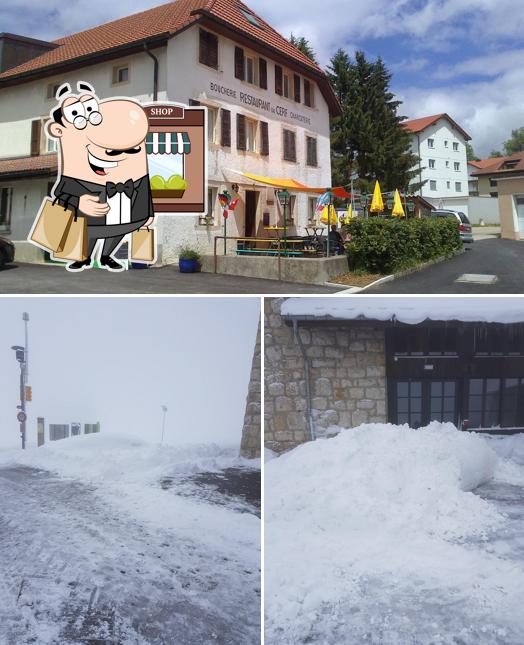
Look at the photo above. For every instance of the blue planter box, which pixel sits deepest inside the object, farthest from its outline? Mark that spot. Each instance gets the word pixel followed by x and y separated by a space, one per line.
pixel 188 266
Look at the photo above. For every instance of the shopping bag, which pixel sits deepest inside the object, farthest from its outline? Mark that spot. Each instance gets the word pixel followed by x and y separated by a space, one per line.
pixel 143 246
pixel 51 225
pixel 75 244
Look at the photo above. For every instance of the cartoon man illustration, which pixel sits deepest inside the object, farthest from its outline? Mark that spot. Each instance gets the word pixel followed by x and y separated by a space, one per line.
pixel 103 170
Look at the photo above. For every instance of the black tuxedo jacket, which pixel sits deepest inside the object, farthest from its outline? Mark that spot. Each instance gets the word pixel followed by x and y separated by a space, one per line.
pixel 69 190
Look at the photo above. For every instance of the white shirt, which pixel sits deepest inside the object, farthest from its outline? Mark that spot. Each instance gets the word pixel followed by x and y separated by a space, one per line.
pixel 120 209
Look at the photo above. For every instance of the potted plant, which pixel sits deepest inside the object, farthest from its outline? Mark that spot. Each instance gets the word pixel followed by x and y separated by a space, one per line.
pixel 189 260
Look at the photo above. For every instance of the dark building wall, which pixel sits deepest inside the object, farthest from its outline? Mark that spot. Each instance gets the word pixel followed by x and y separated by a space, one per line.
pixel 251 432
pixel 17 50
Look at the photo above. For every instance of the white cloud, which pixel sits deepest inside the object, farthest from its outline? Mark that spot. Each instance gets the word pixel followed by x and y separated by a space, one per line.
pixel 487 110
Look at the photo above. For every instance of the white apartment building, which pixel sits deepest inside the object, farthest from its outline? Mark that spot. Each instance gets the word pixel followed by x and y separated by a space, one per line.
pixel 441 145
pixel 268 105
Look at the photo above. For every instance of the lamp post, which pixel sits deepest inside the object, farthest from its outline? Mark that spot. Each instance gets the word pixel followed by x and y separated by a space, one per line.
pixel 21 416
pixel 164 411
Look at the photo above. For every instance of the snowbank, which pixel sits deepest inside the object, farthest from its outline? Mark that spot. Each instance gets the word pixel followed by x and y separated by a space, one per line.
pixel 99 457
pixel 375 502
pixel 411 311
pixel 127 473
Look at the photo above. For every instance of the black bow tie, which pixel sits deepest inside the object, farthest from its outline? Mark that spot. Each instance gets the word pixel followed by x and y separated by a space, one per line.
pixel 127 187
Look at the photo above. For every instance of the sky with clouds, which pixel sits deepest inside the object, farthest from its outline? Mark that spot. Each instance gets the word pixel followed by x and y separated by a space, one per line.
pixel 463 57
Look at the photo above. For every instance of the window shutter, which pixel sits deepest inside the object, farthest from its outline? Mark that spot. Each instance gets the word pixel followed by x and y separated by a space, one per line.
pixel 239 63
pixel 311 151
pixel 296 79
pixel 36 131
pixel 262 73
pixel 241 132
pixel 208 49
pixel 225 134
pixel 307 93
pixel 290 152
pixel 278 80
pixel 264 136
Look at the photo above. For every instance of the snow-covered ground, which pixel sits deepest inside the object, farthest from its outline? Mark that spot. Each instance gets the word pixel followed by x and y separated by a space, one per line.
pixel 392 536
pixel 93 546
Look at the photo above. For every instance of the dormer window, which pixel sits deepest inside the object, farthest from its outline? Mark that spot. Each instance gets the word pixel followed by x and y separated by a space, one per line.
pixel 509 165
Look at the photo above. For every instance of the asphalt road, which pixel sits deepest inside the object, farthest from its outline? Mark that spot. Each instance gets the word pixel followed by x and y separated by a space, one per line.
pixel 503 258
pixel 74 570
pixel 35 278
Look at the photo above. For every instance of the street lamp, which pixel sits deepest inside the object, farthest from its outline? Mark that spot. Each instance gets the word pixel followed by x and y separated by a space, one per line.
pixel 164 411
pixel 20 355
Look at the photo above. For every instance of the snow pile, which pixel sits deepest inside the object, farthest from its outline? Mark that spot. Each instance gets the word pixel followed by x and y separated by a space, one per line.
pixel 511 452
pixel 378 504
pixel 99 457
pixel 406 310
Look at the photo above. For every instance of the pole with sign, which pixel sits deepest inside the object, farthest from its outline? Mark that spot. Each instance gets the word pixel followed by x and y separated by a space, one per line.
pixel 225 200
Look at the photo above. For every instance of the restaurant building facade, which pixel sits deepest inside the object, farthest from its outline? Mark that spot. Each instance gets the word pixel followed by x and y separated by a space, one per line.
pixel 268 112
pixel 337 363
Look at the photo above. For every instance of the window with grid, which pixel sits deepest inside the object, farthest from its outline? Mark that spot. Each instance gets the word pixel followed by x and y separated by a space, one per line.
pixel 311 151
pixel 409 403
pixel 433 185
pixel 432 163
pixel 431 143
pixel 456 165
pixel 455 146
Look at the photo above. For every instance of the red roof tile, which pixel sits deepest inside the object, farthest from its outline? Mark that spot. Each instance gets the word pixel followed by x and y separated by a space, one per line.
pixel 166 19
pixel 486 163
pixel 29 166
pixel 500 165
pixel 418 125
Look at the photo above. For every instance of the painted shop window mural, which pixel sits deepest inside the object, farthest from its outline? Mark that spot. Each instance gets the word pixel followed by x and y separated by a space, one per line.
pixel 176 147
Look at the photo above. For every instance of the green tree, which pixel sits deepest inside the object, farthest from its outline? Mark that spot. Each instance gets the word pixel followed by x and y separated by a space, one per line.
pixel 495 153
pixel 515 143
pixel 304 46
pixel 470 153
pixel 369 137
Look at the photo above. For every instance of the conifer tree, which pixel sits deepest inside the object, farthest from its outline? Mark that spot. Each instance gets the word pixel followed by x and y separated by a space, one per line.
pixel 304 46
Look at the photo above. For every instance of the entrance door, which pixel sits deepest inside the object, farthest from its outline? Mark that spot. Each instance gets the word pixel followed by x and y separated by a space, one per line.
pixel 417 402
pixel 251 213
pixel 519 202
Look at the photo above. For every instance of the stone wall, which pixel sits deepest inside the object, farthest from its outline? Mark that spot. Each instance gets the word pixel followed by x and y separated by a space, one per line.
pixel 251 432
pixel 347 377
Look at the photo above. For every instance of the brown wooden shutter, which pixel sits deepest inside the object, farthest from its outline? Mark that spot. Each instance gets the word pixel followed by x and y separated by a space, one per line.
pixel 307 93
pixel 290 151
pixel 225 128
pixel 264 138
pixel 36 132
pixel 208 49
pixel 239 63
pixel 311 150
pixel 296 79
pixel 241 132
pixel 262 73
pixel 278 80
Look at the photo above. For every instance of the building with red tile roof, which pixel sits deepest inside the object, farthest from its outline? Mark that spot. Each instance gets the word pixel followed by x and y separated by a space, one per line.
pixel 269 107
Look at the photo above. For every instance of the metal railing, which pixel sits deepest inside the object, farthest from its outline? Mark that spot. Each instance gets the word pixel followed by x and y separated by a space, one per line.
pixel 278 248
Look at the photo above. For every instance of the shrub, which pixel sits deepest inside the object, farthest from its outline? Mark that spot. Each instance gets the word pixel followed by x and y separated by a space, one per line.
pixel 187 253
pixel 388 245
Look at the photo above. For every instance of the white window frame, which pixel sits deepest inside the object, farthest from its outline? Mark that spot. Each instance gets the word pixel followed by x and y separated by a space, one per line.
pixel 447 164
pixel 431 143
pixel 458 186
pixel 445 144
pixel 286 84
pixel 448 185
pixel 253 59
pixel 433 184
pixel 212 123
pixel 116 72
pixel 456 166
pixel 7 225
pixel 455 146
pixel 431 163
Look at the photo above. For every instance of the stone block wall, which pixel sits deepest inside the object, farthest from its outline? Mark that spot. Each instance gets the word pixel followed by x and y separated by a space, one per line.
pixel 347 377
pixel 251 432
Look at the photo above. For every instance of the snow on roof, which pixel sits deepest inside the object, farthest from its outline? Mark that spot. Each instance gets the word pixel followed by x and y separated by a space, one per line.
pixel 411 311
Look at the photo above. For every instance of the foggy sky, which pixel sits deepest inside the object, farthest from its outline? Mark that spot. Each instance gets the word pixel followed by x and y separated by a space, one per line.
pixel 117 360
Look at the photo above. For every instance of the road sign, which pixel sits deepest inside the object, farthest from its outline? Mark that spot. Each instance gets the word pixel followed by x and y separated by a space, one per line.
pixel 21 416
pixel 28 393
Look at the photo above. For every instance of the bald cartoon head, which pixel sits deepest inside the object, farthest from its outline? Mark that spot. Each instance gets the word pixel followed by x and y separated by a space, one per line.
pixel 99 141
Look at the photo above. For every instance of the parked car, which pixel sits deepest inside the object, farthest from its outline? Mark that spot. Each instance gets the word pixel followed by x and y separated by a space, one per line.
pixel 465 230
pixel 7 252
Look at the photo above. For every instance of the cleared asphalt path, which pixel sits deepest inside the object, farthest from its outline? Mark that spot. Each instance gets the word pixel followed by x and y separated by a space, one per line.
pixel 503 258
pixel 35 278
